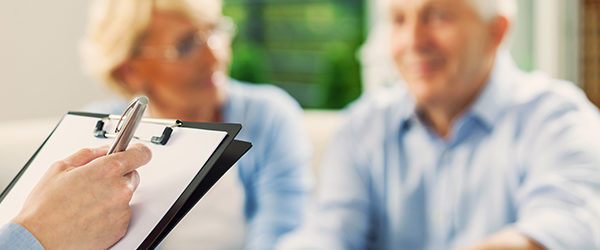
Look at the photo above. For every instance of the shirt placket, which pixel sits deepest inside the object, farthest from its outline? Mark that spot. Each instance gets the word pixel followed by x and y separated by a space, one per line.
pixel 444 196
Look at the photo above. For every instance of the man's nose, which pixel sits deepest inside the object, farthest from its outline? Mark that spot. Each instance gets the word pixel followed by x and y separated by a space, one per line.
pixel 417 35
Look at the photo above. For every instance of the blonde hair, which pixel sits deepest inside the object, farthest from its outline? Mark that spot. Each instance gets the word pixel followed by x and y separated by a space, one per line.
pixel 116 26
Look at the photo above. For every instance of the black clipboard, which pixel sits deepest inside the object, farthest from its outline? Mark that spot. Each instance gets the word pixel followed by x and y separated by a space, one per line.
pixel 222 159
pixel 227 156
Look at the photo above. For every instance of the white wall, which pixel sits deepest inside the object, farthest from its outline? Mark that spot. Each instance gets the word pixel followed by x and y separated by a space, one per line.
pixel 557 38
pixel 40 72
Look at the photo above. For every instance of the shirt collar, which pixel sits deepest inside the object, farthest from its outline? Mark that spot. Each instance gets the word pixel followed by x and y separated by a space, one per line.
pixel 496 95
pixel 489 105
pixel 406 110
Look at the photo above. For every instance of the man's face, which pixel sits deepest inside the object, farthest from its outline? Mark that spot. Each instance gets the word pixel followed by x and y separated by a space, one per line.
pixel 441 48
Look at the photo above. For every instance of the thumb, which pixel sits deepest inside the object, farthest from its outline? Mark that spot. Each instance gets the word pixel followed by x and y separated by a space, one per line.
pixel 132 179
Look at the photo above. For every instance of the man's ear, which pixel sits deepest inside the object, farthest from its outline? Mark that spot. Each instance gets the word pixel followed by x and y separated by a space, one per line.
pixel 498 31
pixel 130 77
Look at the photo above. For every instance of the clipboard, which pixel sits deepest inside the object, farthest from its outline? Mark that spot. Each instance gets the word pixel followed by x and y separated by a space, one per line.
pixel 224 149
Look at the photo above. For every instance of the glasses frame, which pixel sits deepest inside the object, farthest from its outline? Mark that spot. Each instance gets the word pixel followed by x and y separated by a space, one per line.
pixel 214 39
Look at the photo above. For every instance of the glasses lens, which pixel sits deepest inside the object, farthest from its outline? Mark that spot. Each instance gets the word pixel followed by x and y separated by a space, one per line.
pixel 186 46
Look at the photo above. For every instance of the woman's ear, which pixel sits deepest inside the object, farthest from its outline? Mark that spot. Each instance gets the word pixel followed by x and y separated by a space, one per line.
pixel 130 77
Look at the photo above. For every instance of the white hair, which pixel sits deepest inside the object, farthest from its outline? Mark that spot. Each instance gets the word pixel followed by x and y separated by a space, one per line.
pixel 489 9
pixel 116 26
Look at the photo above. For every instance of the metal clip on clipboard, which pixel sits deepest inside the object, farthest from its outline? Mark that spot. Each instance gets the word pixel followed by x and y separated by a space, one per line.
pixel 99 131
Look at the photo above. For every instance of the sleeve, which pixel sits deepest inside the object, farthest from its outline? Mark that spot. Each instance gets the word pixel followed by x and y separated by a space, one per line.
pixel 559 200
pixel 339 217
pixel 14 236
pixel 280 186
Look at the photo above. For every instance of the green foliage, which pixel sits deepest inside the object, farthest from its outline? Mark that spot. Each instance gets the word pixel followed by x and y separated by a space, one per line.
pixel 306 47
pixel 249 63
pixel 341 76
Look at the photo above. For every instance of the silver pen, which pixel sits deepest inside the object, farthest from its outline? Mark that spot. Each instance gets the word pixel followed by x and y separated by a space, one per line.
pixel 131 119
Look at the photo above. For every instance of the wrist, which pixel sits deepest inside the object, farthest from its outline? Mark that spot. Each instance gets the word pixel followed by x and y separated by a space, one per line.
pixel 31 227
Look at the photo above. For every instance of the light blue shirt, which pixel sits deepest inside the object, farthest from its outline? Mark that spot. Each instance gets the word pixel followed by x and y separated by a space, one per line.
pixel 275 173
pixel 525 155
pixel 16 237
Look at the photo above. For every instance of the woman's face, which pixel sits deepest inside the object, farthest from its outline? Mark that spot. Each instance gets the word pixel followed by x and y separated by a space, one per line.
pixel 179 64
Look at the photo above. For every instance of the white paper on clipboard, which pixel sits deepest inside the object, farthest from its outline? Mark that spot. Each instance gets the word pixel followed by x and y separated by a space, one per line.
pixel 162 180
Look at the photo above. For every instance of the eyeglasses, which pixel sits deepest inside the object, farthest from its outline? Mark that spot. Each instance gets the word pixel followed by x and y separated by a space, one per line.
pixel 214 39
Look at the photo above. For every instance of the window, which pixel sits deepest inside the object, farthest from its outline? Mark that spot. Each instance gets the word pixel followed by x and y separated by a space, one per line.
pixel 311 48
pixel 305 47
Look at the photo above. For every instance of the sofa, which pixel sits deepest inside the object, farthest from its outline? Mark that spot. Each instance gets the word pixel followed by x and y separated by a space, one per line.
pixel 20 139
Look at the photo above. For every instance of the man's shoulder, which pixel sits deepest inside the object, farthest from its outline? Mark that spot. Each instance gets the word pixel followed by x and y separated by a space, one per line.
pixel 539 93
pixel 378 102
pixel 375 113
pixel 542 103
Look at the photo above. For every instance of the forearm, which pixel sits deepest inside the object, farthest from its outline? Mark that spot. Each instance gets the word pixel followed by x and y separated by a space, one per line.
pixel 508 239
pixel 279 213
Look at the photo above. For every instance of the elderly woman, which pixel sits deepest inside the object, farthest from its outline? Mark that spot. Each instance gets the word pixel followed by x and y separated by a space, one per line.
pixel 177 53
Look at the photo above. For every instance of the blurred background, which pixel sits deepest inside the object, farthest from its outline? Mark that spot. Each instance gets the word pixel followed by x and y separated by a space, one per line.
pixel 325 53
pixel 317 50
pixel 311 48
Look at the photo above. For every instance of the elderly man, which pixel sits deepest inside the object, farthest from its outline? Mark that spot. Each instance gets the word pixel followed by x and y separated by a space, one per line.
pixel 469 153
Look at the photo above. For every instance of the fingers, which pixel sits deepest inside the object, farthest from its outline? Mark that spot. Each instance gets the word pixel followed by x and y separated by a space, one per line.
pixel 132 180
pixel 124 162
pixel 84 156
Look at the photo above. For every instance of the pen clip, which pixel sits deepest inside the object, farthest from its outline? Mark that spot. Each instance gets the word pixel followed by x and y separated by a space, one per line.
pixel 132 115
pixel 129 107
